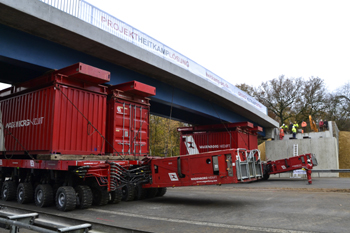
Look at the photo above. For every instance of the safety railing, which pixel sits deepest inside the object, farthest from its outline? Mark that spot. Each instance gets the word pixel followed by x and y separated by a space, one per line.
pixel 27 221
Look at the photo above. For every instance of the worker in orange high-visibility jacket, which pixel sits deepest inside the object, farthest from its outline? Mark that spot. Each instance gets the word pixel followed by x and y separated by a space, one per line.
pixel 308 171
pixel 303 125
pixel 281 133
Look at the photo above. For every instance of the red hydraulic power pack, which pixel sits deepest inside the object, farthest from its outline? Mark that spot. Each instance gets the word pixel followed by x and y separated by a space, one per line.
pixel 199 139
pixel 63 112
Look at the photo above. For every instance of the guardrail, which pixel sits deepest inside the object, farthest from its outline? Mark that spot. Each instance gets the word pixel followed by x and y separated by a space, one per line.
pixel 26 221
pixel 324 171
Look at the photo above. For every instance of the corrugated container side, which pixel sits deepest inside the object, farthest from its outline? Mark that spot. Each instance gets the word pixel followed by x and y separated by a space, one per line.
pixel 45 121
pixel 73 133
pixel 28 121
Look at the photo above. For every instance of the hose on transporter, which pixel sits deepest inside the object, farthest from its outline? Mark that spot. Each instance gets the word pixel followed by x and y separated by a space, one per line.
pixel 120 176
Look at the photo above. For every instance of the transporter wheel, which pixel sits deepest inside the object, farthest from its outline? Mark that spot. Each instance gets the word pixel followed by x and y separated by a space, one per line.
pixel 161 192
pixel 128 192
pixel 266 172
pixel 8 191
pixel 65 198
pixel 140 193
pixel 266 176
pixel 25 193
pixel 84 196
pixel 152 192
pixel 43 195
pixel 101 196
pixel 115 196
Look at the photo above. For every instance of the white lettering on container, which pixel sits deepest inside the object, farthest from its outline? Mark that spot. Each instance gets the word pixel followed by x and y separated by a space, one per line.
pixel 23 123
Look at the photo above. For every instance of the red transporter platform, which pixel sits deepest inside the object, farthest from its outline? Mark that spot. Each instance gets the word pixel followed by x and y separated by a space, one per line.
pixel 66 139
pixel 204 138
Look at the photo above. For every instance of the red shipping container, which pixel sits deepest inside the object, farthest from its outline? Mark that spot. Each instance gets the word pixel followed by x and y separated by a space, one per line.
pixel 127 122
pixel 51 119
pixel 200 139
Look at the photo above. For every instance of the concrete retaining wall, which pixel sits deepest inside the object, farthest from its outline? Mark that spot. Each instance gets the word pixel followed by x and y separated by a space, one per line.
pixel 325 149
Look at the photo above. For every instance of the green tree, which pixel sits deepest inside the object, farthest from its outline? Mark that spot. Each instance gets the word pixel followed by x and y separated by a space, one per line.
pixel 280 95
pixel 312 100
pixel 164 138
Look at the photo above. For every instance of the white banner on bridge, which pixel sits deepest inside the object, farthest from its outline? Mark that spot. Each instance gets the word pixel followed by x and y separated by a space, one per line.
pixel 106 22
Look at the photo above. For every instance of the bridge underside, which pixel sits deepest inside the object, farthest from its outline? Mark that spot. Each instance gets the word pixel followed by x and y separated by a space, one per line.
pixel 24 56
pixel 35 38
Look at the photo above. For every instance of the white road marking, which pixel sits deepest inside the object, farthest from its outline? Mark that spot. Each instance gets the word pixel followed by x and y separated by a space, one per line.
pixel 231 226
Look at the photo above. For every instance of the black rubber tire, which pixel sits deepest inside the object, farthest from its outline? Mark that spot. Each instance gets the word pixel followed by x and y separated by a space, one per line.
pixel 25 193
pixel 101 196
pixel 115 196
pixel 266 176
pixel 152 192
pixel 128 192
pixel 65 198
pixel 161 192
pixel 140 193
pixel 43 195
pixel 84 196
pixel 8 191
pixel 266 171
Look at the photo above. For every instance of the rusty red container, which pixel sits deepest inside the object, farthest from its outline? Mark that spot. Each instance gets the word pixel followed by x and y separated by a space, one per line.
pixel 57 118
pixel 200 139
pixel 127 121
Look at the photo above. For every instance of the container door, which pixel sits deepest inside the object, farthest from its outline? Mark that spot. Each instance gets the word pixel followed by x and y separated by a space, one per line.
pixel 139 130
pixel 121 120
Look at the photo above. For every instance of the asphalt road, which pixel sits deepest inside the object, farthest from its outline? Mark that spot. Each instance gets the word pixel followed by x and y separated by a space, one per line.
pixel 278 205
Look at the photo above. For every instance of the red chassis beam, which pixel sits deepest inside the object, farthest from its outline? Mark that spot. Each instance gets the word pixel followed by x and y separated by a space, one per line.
pixel 217 167
pixel 305 161
pixel 59 164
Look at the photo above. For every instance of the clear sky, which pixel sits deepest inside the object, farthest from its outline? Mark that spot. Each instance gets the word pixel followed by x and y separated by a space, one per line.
pixel 249 41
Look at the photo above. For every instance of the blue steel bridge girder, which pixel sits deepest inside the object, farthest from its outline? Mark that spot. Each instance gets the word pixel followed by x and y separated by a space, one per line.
pixel 24 56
